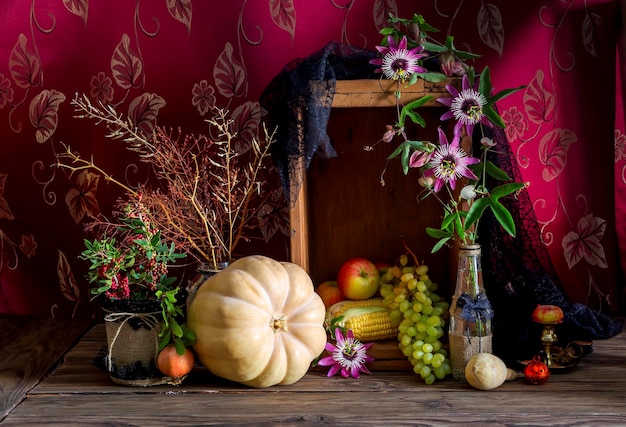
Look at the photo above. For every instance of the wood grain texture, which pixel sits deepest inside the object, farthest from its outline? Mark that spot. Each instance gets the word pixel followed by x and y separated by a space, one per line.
pixel 29 349
pixel 382 92
pixel 342 210
pixel 351 214
pixel 79 394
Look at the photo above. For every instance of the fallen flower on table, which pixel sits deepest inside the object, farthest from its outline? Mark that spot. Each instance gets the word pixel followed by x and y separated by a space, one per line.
pixel 347 356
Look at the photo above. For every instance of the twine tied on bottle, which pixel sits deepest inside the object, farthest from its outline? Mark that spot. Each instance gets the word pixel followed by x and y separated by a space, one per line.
pixel 148 318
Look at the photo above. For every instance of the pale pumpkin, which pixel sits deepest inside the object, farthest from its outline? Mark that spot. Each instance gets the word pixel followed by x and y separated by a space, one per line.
pixel 485 371
pixel 258 322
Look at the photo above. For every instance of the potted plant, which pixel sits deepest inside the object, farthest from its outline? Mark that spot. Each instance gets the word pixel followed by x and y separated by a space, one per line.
pixel 129 263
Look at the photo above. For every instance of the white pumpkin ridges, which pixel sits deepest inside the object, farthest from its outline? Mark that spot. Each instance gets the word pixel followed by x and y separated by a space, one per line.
pixel 275 370
pixel 241 286
pixel 301 285
pixel 232 315
pixel 270 277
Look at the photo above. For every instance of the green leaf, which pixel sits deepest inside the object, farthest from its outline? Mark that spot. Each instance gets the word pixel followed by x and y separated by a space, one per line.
pixel 407 110
pixel 493 116
pixel 504 93
pixel 440 244
pixel 504 217
pixel 417 103
pixel 506 189
pixel 450 43
pixel 424 26
pixel 416 118
pixel 433 47
pixel 433 77
pixel 180 347
pixel 496 172
pixel 437 233
pixel 397 151
pixel 477 168
pixel 476 210
pixel 448 221
pixel 459 53
pixel 188 335
pixel 163 343
pixel 406 154
pixel 471 75
pixel 176 329
pixel 167 281
pixel 460 228
pixel 464 55
pixel 103 289
pixel 484 85
pixel 420 145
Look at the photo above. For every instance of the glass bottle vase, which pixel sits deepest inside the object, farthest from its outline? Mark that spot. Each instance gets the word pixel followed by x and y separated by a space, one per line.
pixel 470 312
pixel 204 271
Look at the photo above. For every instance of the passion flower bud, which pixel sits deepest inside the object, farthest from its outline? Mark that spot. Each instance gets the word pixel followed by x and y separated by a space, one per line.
pixel 426 181
pixel 450 65
pixel 547 314
pixel 487 142
pixel 389 134
pixel 419 158
pixel 413 32
pixel 468 192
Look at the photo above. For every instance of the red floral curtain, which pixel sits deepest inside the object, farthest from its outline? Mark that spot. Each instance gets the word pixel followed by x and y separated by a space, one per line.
pixel 168 61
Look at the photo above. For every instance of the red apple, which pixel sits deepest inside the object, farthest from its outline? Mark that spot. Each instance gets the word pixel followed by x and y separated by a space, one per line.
pixel 358 279
pixel 547 314
pixel 330 293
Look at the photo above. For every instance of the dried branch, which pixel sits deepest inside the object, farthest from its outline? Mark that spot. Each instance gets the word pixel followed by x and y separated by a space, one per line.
pixel 204 200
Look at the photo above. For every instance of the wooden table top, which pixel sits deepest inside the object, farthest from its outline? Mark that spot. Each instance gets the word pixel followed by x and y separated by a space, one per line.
pixel 80 394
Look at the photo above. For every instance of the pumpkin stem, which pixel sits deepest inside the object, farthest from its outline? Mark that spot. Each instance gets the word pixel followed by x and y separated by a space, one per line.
pixel 279 323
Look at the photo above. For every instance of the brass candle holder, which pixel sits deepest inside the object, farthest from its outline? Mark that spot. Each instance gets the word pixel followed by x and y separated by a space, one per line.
pixel 549 316
pixel 548 339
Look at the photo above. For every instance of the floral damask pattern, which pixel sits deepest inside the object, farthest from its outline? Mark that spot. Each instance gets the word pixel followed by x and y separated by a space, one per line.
pixel 548 142
pixel 82 199
pixel 585 242
pixel 169 62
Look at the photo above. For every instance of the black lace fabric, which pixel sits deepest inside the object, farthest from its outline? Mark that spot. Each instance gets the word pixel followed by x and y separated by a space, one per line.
pixel 298 103
pixel 517 271
pixel 519 274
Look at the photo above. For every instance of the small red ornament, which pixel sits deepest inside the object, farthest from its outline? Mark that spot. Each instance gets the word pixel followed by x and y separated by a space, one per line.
pixel 536 372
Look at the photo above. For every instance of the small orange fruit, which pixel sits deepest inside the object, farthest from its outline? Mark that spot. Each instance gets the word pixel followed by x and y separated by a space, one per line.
pixel 172 364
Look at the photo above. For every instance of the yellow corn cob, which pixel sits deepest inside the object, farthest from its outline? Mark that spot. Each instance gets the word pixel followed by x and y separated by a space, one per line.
pixel 368 319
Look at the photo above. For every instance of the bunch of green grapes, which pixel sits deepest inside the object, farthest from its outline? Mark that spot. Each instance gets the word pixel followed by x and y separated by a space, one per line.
pixel 419 314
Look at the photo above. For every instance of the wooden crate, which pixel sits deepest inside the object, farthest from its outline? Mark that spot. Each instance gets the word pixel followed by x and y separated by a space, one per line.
pixel 343 211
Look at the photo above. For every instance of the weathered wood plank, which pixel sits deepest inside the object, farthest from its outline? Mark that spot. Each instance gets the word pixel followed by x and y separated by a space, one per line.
pixel 355 408
pixel 604 367
pixel 29 348
pixel 78 393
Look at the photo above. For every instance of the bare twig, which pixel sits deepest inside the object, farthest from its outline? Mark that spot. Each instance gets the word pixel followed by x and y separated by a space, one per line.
pixel 204 200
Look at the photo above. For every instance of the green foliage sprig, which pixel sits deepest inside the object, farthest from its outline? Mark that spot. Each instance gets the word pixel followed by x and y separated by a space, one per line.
pixel 129 260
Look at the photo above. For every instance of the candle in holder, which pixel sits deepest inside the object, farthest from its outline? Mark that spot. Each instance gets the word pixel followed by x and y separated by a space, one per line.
pixel 548 316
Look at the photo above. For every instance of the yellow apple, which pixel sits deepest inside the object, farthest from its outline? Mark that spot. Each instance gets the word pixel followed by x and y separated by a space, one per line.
pixel 358 279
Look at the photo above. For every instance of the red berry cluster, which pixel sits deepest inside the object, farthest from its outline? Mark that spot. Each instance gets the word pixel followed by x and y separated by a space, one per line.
pixel 119 288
